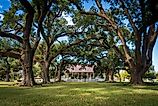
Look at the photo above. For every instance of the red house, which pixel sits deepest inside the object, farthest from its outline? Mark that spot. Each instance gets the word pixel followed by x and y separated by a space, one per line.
pixel 80 72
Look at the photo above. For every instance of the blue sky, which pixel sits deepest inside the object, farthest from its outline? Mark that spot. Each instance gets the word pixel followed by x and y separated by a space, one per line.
pixel 155 56
pixel 4 5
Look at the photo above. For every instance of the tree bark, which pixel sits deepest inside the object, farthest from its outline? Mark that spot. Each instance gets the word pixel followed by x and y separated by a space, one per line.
pixel 136 78
pixel 24 77
pixel 59 73
pixel 45 71
pixel 23 70
pixel 109 76
pixel 28 62
pixel 7 72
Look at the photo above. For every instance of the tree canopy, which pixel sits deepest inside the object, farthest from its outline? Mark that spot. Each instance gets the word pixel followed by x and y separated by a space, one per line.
pixel 110 34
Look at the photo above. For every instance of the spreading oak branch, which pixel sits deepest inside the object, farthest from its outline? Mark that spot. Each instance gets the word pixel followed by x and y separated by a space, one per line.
pixel 114 25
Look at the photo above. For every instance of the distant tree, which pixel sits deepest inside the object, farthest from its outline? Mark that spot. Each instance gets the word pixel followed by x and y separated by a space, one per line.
pixel 7 45
pixel 150 74
pixel 124 75
pixel 5 65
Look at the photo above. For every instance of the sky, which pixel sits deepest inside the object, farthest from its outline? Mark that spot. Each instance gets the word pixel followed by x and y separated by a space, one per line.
pixel 4 5
pixel 155 56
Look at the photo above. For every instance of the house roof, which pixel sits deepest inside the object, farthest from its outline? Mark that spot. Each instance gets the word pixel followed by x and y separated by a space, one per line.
pixel 80 68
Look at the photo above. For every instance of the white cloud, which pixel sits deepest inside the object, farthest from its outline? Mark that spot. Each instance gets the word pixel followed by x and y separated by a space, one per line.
pixel 1 17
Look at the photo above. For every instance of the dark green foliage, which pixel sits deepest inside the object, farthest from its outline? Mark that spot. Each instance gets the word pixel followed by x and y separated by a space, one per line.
pixel 151 74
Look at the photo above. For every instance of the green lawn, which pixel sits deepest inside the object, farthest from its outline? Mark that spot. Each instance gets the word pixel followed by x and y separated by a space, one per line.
pixel 79 94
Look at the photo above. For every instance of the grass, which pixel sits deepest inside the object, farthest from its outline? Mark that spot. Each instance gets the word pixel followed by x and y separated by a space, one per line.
pixel 79 94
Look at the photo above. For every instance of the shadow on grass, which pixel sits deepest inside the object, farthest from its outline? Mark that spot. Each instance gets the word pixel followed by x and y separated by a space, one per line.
pixel 81 94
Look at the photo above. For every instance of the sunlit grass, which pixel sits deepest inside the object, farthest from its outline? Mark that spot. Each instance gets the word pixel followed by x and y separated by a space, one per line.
pixel 6 83
pixel 80 94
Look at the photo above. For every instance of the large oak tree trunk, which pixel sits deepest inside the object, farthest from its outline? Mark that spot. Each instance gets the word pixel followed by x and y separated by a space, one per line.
pixel 27 63
pixel 45 72
pixel 138 72
pixel 136 78
pixel 59 73
pixel 7 72
pixel 109 76
pixel 24 76
pixel 28 72
pixel 24 71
